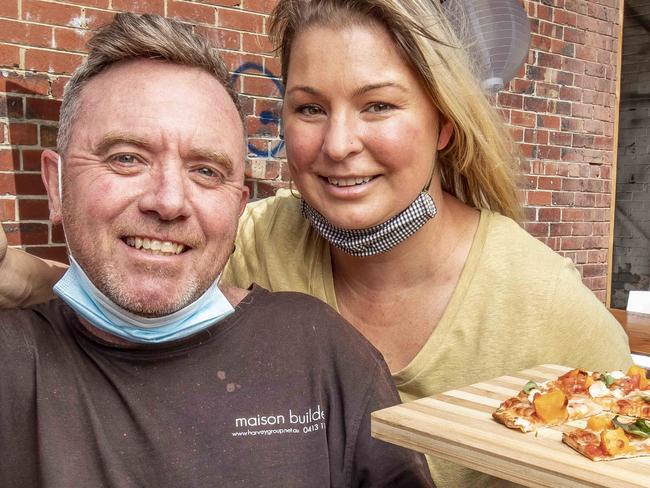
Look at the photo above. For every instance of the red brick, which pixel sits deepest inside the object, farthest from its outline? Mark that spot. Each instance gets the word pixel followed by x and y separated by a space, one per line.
pixel 523 119
pixel 57 234
pixel 549 183
pixel 574 35
pixel 30 233
pixel 51 61
pixel 533 136
pixel 90 3
pixel 25 34
pixel 7 209
pixel 48 136
pixel 11 107
pixel 548 152
pixel 71 39
pixel 570 93
pixel 549 60
pixel 565 18
pixel 9 8
pixel 58 253
pixel 563 199
pixel 548 121
pixel 29 184
pixel 140 6
pixel 22 133
pixel 539 198
pixel 9 55
pixel 9 159
pixel 234 60
pixel 58 85
pixel 585 199
pixel 43 108
pixel 534 104
pixel 551 30
pixel 537 229
pixel 550 214
pixel 50 13
pixel 27 83
pixel 225 39
pixel 560 138
pixel 540 42
pixel 261 86
pixel 96 18
pixel 31 159
pixel 547 91
pixel 29 209
pixel 195 12
pixel 505 99
pixel 573 215
pixel 256 43
pixel 264 6
pixel 239 20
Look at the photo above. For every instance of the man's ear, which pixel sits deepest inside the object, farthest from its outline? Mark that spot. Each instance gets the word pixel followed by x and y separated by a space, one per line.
pixel 50 176
pixel 244 199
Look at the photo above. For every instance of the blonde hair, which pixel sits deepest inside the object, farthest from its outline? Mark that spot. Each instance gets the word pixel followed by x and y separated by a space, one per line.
pixel 149 36
pixel 478 165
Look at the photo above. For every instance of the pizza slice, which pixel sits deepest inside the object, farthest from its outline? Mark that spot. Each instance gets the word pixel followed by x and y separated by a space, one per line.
pixel 606 438
pixel 553 402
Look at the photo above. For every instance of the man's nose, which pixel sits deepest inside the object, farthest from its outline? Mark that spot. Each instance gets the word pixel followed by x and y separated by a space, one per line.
pixel 342 137
pixel 167 195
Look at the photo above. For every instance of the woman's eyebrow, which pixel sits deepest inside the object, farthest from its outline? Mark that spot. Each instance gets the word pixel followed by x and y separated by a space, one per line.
pixel 376 86
pixel 359 91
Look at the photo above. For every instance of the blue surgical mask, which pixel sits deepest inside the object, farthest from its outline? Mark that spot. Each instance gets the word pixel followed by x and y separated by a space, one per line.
pixel 76 289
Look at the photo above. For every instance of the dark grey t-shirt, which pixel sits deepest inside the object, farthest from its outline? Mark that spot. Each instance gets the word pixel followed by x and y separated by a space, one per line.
pixel 277 395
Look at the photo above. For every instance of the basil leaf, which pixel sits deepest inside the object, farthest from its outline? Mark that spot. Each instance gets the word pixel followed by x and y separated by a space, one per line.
pixel 634 428
pixel 529 386
pixel 642 424
pixel 609 380
pixel 646 399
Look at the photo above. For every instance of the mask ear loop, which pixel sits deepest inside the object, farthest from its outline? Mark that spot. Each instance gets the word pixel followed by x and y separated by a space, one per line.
pixel 59 171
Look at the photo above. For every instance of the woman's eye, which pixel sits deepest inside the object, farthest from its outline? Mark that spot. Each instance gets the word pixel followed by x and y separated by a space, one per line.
pixel 310 110
pixel 379 107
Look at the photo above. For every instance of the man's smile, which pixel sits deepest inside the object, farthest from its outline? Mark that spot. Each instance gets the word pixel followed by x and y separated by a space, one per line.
pixel 154 246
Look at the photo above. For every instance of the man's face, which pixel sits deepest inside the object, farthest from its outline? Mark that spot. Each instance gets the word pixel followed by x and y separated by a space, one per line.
pixel 152 184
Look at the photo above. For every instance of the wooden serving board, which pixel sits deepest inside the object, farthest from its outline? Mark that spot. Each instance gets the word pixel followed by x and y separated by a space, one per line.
pixel 457 425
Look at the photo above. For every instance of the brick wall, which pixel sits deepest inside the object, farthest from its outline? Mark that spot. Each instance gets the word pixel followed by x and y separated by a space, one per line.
pixel 631 264
pixel 561 109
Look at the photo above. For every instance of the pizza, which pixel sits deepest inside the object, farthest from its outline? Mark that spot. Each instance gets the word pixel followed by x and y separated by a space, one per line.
pixel 599 397
pixel 607 438
pixel 577 394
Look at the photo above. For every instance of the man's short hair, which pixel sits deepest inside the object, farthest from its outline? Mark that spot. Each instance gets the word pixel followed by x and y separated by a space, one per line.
pixel 132 36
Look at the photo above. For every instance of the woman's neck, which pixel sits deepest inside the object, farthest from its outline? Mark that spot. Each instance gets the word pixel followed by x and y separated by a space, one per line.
pixel 423 258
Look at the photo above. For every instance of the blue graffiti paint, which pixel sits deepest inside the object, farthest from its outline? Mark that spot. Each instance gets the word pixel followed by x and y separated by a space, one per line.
pixel 266 116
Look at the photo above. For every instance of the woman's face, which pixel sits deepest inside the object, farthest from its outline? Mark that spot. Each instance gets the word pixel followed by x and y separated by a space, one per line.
pixel 361 132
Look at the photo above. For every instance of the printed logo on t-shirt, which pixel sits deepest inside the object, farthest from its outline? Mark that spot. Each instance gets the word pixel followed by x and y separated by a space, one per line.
pixel 291 422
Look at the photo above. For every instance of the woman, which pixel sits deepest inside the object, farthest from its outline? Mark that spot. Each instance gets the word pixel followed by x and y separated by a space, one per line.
pixel 387 131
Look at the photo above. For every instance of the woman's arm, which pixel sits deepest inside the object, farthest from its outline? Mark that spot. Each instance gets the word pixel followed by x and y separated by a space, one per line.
pixel 25 279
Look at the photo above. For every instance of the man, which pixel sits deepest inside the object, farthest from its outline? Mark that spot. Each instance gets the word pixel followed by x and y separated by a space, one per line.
pixel 145 373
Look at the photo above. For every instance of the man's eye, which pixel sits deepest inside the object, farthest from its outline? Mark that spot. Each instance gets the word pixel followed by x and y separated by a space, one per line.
pixel 208 175
pixel 310 110
pixel 126 159
pixel 207 172
pixel 126 163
